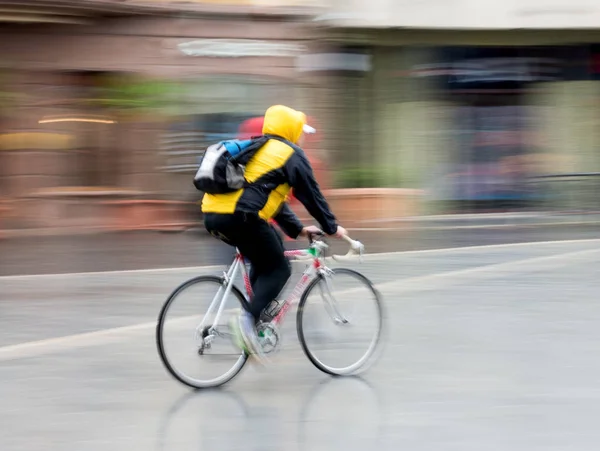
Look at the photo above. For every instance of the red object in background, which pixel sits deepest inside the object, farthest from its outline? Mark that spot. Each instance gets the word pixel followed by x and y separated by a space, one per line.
pixel 253 127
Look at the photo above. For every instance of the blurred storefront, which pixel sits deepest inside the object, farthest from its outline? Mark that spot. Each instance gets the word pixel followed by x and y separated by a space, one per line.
pixel 106 106
pixel 117 101
pixel 472 117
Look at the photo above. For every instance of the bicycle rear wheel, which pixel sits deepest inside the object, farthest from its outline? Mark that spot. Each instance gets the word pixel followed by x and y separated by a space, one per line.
pixel 339 322
pixel 185 348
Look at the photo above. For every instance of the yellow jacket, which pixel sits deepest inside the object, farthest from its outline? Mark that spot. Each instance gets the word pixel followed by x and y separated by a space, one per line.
pixel 271 173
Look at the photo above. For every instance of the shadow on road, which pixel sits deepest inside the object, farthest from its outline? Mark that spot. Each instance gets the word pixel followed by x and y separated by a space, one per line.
pixel 337 413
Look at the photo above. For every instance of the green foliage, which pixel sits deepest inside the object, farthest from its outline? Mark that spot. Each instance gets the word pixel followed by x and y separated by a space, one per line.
pixel 134 94
pixel 366 177
pixel 7 97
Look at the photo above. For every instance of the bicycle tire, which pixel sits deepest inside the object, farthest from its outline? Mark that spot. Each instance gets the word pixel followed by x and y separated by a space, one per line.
pixel 369 357
pixel 196 384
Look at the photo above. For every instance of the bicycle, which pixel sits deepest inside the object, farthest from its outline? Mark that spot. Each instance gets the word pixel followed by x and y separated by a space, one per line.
pixel 209 331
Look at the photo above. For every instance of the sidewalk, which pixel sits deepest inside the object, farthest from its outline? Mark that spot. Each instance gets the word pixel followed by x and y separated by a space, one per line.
pixel 144 250
pixel 432 222
pixel 491 220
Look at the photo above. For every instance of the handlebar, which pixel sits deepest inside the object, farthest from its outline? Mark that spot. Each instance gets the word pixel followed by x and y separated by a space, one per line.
pixel 356 247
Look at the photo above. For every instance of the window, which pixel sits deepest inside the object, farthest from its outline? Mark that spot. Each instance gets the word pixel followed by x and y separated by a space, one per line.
pixel 211 109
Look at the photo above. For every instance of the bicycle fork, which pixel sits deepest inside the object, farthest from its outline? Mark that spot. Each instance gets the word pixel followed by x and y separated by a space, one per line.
pixel 331 305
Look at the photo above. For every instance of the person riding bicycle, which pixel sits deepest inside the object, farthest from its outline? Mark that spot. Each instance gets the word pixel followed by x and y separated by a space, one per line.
pixel 241 218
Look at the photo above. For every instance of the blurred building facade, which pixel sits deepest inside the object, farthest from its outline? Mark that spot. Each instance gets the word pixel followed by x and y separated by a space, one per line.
pixel 116 100
pixel 106 101
pixel 470 100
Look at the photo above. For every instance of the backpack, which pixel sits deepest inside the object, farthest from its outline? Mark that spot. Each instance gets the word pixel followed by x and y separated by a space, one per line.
pixel 223 165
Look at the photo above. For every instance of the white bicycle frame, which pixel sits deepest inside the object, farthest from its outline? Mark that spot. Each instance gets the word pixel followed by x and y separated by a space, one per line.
pixel 309 273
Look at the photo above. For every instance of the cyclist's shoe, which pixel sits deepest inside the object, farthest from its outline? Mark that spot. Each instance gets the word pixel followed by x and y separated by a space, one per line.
pixel 271 311
pixel 247 330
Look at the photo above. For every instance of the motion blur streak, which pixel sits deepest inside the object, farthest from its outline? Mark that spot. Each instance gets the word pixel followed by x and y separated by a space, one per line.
pixel 458 141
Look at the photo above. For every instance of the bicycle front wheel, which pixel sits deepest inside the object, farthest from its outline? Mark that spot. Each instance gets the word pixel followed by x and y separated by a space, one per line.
pixel 339 322
pixel 195 348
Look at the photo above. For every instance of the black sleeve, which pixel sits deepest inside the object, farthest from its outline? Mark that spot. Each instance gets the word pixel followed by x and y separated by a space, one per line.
pixel 306 189
pixel 288 221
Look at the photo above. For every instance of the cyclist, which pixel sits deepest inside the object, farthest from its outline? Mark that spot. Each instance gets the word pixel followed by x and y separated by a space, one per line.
pixel 241 218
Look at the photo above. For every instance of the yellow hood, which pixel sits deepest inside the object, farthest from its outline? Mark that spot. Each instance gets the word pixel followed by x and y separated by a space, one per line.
pixel 285 122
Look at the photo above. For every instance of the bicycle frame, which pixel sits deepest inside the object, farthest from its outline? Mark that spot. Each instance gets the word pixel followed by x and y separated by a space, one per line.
pixel 240 262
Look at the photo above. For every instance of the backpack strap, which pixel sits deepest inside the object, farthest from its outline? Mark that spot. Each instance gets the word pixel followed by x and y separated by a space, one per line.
pixel 248 152
pixel 285 141
pixel 244 156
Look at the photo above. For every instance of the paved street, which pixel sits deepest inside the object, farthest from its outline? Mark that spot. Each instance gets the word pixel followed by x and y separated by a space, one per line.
pixel 488 348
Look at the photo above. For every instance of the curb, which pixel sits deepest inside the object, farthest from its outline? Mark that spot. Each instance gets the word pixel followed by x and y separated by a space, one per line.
pixel 91 230
pixel 480 226
pixel 193 228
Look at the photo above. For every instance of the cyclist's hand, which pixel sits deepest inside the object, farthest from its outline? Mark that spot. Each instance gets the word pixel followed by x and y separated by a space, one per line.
pixel 340 232
pixel 310 230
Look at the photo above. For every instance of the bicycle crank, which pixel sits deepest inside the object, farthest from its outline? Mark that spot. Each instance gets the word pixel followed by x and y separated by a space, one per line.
pixel 268 337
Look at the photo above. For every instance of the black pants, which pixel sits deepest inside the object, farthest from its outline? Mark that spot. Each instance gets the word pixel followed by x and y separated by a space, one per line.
pixel 260 243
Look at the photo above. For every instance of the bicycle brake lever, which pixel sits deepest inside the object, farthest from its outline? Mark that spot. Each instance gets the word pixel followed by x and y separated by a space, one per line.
pixel 361 251
pixel 312 236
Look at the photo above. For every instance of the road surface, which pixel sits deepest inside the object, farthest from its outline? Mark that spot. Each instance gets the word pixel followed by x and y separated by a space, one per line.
pixel 488 348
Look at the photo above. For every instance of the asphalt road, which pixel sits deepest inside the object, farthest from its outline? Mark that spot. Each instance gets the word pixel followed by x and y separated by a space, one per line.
pixel 489 348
